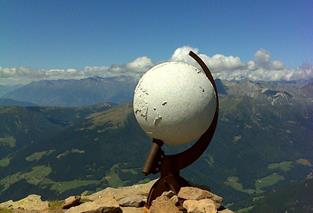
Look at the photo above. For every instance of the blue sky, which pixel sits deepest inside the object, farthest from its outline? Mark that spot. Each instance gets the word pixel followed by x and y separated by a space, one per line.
pixel 63 34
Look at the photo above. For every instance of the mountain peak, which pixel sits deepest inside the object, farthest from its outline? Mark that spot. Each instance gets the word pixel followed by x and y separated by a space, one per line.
pixel 129 199
pixel 94 78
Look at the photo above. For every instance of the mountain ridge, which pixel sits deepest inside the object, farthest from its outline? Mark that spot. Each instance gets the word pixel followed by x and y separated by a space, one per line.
pixel 89 91
pixel 75 92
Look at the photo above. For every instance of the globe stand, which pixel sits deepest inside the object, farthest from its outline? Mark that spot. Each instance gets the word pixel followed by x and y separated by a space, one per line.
pixel 169 166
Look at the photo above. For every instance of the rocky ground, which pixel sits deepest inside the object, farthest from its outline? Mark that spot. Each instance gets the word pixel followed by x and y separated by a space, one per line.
pixel 129 199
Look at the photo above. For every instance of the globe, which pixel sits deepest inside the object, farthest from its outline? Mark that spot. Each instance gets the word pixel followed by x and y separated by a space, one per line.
pixel 174 102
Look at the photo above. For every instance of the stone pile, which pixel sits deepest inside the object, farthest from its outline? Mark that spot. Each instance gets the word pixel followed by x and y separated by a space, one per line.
pixel 129 199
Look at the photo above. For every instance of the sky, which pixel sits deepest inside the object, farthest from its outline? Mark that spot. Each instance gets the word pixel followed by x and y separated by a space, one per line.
pixel 72 35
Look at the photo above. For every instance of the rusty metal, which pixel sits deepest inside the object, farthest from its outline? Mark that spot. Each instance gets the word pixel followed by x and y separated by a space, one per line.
pixel 169 166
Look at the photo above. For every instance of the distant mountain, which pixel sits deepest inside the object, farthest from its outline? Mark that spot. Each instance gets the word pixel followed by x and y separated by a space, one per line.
pixel 81 92
pixel 263 141
pixel 4 89
pixel 10 102
pixel 221 89
pixel 92 90
pixel 307 90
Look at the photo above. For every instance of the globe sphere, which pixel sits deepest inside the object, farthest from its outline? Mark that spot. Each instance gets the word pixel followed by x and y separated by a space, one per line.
pixel 174 102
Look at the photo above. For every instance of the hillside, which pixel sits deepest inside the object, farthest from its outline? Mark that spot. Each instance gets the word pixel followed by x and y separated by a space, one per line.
pixel 40 160
pixel 293 197
pixel 10 102
pixel 4 89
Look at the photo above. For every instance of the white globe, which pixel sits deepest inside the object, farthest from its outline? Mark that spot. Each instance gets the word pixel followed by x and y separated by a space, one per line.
pixel 174 102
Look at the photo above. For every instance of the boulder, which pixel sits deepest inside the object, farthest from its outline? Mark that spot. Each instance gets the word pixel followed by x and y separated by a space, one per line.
pixel 101 205
pixel 193 193
pixel 174 199
pixel 30 203
pixel 133 210
pixel 132 201
pixel 200 206
pixel 71 201
pixel 225 211
pixel 163 204
pixel 122 192
pixel 169 194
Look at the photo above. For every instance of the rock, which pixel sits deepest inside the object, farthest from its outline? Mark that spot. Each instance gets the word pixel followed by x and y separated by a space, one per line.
pixel 29 203
pixel 101 205
pixel 119 193
pixel 125 199
pixel 8 204
pixel 174 199
pixel 169 194
pixel 225 211
pixel 193 193
pixel 132 201
pixel 133 210
pixel 200 206
pixel 163 204
pixel 71 201
pixel 85 193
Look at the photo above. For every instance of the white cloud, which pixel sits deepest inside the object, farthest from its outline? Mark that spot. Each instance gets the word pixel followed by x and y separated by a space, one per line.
pixel 263 60
pixel 140 64
pixel 261 67
pixel 262 57
pixel 251 65
pixel 181 54
pixel 22 75
pixel 216 62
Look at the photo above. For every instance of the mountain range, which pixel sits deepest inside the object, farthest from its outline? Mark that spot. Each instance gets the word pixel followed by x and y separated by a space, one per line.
pixel 263 143
pixel 75 92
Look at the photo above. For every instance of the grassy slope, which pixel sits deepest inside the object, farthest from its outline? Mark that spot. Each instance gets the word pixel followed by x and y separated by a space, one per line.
pixel 294 197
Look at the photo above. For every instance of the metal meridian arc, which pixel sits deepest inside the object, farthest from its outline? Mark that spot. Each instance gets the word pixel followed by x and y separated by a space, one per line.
pixel 190 155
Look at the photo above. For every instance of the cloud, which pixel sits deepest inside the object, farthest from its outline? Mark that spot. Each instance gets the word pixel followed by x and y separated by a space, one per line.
pixel 23 75
pixel 217 62
pixel 263 60
pixel 260 68
pixel 140 64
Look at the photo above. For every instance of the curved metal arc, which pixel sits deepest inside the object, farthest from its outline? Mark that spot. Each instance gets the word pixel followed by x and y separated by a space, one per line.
pixel 190 155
